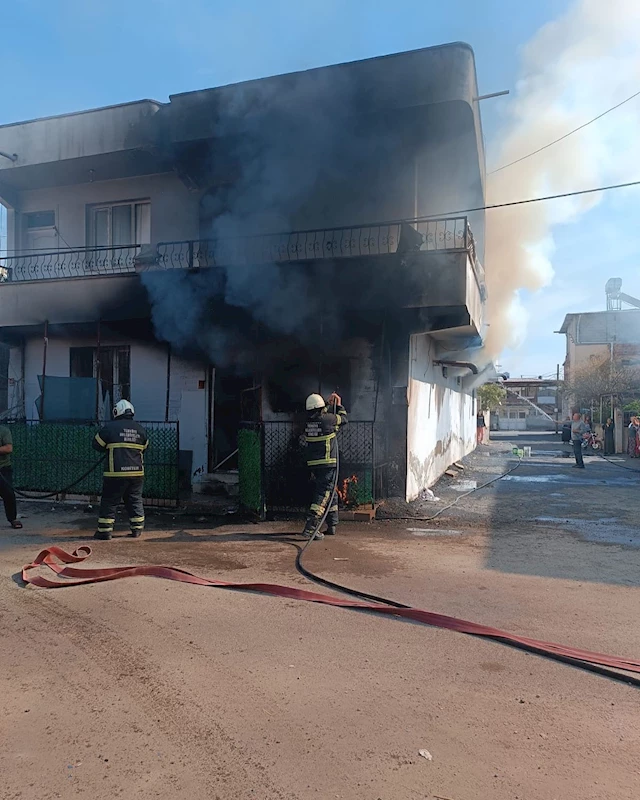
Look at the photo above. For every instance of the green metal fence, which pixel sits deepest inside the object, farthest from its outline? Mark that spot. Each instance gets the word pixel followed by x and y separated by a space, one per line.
pixel 273 472
pixel 49 456
pixel 250 468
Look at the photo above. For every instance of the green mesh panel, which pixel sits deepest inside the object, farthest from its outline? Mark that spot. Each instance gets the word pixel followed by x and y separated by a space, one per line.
pixel 48 456
pixel 250 469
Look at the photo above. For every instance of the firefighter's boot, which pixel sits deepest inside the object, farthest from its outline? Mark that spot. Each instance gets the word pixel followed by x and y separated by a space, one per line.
pixel 309 528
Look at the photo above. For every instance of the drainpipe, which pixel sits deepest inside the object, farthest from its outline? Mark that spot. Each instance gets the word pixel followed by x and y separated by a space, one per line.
pixel 98 371
pixel 44 366
pixel 166 408
pixel 461 364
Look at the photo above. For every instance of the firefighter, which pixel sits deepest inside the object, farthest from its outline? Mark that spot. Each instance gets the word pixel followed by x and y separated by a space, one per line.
pixel 322 459
pixel 124 442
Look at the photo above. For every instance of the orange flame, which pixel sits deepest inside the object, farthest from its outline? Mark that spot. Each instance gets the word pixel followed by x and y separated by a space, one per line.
pixel 346 493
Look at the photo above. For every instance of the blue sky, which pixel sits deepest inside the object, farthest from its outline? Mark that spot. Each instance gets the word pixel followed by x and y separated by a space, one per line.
pixel 75 54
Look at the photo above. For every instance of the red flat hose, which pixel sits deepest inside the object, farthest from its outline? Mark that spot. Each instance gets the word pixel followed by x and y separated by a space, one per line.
pixel 58 560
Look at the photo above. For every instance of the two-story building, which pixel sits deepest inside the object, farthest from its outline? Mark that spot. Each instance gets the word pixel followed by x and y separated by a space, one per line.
pixel 218 257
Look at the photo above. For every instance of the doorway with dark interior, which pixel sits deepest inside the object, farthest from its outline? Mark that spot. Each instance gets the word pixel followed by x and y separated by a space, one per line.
pixel 236 399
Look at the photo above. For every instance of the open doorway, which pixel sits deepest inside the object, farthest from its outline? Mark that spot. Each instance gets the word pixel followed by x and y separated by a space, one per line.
pixel 236 399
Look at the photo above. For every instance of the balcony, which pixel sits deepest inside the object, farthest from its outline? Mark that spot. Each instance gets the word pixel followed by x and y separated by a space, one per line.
pixel 69 263
pixel 437 235
pixel 438 254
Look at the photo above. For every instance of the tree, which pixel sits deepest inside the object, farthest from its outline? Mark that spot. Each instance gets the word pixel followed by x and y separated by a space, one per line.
pixel 602 378
pixel 490 396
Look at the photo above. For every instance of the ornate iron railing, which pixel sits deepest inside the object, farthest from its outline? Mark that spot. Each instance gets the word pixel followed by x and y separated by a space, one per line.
pixel 433 235
pixel 70 263
pixel 326 243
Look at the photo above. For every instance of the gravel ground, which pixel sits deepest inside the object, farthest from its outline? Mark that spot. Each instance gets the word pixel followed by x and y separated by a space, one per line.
pixel 149 689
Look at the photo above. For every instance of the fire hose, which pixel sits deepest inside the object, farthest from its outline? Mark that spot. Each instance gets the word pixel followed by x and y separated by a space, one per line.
pixel 60 491
pixel 59 561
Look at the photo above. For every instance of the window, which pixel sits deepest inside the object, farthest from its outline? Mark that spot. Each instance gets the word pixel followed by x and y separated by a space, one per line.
pixel 513 415
pixel 115 373
pixel 39 231
pixel 40 219
pixel 120 224
pixel 522 414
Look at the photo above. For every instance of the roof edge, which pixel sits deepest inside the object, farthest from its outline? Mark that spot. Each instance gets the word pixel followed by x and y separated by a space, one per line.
pixel 84 111
pixel 448 45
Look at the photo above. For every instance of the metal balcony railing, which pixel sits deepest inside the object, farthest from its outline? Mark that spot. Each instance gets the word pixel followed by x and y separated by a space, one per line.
pixel 403 237
pixel 325 243
pixel 70 263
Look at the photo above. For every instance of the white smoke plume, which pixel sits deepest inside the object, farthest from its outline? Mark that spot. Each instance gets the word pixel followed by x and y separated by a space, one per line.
pixel 574 68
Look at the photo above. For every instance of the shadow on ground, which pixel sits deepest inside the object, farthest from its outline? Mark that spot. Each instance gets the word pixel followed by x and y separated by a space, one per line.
pixel 552 520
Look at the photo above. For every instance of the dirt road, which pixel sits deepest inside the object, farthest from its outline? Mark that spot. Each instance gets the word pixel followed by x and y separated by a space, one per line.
pixel 147 689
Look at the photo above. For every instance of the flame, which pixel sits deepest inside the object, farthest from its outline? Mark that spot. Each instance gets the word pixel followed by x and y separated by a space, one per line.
pixel 346 493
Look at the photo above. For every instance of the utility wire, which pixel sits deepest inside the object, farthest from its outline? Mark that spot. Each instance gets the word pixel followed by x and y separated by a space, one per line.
pixel 565 136
pixel 442 214
pixel 55 228
pixel 521 202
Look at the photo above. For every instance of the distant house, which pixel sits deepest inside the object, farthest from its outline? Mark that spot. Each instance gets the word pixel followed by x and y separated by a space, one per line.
pixel 530 404
pixel 216 258
pixel 598 336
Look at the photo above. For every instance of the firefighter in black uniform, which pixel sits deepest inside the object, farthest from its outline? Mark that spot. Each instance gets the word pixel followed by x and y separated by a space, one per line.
pixel 321 431
pixel 124 441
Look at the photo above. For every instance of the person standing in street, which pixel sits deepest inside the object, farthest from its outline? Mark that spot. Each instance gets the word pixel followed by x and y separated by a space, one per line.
pixel 480 427
pixel 124 441
pixel 578 432
pixel 6 477
pixel 566 437
pixel 609 431
pixel 321 443
pixel 633 434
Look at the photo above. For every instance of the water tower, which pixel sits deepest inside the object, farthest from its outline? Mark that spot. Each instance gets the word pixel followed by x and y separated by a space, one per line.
pixel 612 290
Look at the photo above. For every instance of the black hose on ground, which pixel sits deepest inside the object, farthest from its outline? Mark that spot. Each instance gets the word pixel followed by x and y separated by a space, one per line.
pixel 605 672
pixel 621 466
pixel 460 497
pixel 59 491
pixel 364 595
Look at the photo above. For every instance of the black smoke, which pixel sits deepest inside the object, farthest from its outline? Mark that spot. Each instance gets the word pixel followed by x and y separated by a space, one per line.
pixel 297 152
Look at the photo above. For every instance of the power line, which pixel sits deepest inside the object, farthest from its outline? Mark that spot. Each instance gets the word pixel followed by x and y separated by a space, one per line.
pixel 566 135
pixel 441 214
pixel 522 202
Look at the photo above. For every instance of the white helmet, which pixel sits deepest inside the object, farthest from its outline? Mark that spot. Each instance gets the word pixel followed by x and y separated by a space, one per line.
pixel 314 401
pixel 122 407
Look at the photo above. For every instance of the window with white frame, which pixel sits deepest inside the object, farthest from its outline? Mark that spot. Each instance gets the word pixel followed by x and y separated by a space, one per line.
pixel 119 224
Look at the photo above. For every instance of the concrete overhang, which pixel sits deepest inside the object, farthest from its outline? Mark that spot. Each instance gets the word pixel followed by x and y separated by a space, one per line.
pixel 111 142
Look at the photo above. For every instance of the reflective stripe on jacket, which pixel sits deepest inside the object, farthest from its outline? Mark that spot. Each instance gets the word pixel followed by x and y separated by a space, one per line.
pixel 124 442
pixel 320 437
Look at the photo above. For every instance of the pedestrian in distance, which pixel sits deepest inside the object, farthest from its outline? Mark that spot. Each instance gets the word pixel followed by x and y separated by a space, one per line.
pixel 609 443
pixel 6 478
pixel 124 442
pixel 566 437
pixel 632 441
pixel 320 436
pixel 480 427
pixel 578 432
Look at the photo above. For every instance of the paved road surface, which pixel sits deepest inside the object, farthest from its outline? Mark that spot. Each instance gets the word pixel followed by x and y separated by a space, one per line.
pixel 147 689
